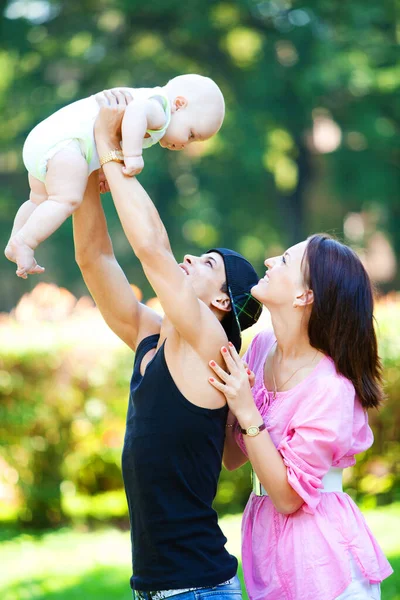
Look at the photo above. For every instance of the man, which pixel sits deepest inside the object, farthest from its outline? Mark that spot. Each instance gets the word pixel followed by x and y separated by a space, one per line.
pixel 176 421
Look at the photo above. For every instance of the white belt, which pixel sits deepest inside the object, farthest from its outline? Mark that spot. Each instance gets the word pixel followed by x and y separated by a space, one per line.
pixel 160 595
pixel 332 482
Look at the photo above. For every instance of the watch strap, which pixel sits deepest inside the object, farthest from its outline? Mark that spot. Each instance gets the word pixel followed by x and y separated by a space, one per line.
pixel 259 427
pixel 113 155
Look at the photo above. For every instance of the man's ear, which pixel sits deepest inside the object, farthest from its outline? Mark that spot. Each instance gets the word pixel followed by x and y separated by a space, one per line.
pixel 222 302
pixel 303 299
pixel 178 103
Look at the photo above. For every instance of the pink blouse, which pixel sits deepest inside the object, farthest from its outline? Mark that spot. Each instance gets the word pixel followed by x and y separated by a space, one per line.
pixel 318 424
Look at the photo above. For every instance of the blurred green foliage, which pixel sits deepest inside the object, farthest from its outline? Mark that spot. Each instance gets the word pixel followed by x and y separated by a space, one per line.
pixel 62 423
pixel 311 128
pixel 63 401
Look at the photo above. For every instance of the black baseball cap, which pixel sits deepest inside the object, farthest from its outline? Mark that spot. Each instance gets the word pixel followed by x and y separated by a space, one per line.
pixel 245 309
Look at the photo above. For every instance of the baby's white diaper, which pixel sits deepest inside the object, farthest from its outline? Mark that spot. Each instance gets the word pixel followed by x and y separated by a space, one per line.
pixel 73 123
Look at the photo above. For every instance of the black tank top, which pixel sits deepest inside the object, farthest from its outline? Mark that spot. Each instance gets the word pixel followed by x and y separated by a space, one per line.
pixel 171 463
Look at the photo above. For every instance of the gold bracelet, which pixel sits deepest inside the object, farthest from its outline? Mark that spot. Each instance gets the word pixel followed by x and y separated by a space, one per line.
pixel 113 155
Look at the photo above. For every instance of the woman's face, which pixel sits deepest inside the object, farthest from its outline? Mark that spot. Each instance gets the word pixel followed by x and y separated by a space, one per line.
pixel 283 283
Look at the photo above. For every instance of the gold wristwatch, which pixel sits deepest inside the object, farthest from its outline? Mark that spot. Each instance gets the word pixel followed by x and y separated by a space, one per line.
pixel 253 430
pixel 115 155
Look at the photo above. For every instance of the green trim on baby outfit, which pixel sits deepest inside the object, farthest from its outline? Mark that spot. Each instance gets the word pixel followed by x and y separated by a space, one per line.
pixel 167 109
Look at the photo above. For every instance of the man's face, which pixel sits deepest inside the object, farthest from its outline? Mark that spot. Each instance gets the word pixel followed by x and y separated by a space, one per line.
pixel 207 275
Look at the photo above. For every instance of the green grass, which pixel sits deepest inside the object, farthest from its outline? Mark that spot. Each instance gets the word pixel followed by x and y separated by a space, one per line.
pixel 79 565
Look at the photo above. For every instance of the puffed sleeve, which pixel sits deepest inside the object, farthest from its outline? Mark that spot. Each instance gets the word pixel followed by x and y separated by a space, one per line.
pixel 319 435
pixel 251 352
pixel 255 353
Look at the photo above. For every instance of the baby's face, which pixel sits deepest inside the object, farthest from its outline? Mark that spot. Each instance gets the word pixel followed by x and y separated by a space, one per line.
pixel 190 123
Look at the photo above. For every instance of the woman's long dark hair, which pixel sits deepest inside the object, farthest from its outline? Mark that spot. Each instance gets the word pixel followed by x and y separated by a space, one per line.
pixel 341 323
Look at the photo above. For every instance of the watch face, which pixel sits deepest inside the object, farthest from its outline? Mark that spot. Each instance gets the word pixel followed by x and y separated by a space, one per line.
pixel 252 431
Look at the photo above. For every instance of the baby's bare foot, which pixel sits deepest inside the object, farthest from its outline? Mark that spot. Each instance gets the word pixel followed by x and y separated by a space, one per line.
pixel 9 253
pixel 36 269
pixel 24 257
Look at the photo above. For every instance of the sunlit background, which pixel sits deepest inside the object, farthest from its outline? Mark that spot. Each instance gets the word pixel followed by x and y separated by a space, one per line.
pixel 310 142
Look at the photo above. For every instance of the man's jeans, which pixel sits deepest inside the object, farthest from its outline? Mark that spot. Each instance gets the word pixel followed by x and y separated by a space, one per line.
pixel 230 590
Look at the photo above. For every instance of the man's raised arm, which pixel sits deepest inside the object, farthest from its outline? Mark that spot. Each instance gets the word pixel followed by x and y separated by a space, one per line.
pixel 106 281
pixel 149 240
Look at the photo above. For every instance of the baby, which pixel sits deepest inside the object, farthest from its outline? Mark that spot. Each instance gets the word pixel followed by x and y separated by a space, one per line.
pixel 60 153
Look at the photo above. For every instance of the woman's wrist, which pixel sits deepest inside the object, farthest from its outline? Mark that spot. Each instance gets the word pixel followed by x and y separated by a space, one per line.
pixel 249 417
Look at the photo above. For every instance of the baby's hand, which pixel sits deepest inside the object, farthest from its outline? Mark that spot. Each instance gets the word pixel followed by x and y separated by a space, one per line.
pixel 133 165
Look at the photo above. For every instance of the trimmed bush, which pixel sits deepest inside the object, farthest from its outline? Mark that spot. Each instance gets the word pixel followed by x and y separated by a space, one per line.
pixel 64 381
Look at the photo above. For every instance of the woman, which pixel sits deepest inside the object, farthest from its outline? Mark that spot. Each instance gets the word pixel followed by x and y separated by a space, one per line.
pixel 316 374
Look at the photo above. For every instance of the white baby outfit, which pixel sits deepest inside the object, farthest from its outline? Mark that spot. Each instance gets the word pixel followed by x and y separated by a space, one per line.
pixel 74 124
